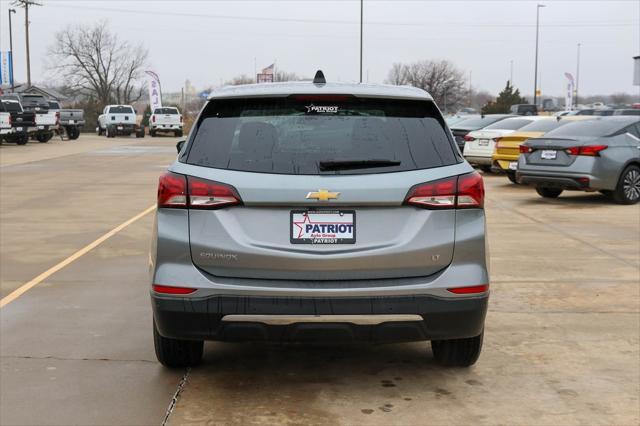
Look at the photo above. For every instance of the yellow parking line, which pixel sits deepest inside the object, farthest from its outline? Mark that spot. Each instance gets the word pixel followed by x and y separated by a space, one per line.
pixel 84 250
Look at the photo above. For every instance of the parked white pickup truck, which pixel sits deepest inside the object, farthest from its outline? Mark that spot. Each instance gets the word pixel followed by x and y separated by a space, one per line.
pixel 5 123
pixel 165 119
pixel 118 120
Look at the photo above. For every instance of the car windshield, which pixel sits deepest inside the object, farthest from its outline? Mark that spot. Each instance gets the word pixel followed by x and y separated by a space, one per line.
pixel 318 135
pixel 543 125
pixel 509 124
pixel 477 123
pixel 166 111
pixel 593 128
pixel 120 110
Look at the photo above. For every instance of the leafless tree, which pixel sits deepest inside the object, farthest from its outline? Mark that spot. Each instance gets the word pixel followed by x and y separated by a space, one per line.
pixel 241 79
pixel 282 75
pixel 441 79
pixel 93 61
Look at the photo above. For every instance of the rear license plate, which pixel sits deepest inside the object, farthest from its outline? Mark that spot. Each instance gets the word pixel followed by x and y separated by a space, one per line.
pixel 18 129
pixel 120 127
pixel 483 142
pixel 40 127
pixel 513 165
pixel 72 122
pixel 323 227
pixel 548 154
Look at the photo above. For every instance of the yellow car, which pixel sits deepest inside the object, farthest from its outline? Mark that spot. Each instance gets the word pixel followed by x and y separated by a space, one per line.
pixel 505 156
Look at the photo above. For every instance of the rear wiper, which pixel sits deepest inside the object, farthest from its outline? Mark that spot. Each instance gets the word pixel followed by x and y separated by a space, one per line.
pixel 355 164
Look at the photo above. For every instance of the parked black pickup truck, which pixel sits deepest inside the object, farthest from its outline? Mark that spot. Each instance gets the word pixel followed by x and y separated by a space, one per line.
pixel 22 121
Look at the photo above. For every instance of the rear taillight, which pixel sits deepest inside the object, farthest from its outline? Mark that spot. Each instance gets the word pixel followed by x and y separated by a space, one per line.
pixel 525 149
pixel 153 118
pixel 10 121
pixel 57 118
pixel 181 119
pixel 172 190
pixel 468 138
pixel 589 150
pixel 178 191
pixel 205 194
pixel 466 191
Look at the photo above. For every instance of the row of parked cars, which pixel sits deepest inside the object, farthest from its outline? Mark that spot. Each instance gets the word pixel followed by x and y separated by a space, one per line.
pixel 32 116
pixel 554 154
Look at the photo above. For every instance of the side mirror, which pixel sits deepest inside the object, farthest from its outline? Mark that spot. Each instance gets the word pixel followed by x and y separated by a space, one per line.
pixel 179 145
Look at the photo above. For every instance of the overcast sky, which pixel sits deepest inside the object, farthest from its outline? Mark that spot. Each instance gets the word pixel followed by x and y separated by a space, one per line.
pixel 211 41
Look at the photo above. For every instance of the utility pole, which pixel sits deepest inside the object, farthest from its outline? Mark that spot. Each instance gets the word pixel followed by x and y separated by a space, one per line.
pixel 577 75
pixel 13 72
pixel 25 4
pixel 361 24
pixel 511 74
pixel 535 72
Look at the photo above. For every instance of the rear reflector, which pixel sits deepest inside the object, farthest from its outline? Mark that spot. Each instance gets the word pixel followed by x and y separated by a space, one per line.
pixel 465 191
pixel 165 289
pixel 179 191
pixel 469 290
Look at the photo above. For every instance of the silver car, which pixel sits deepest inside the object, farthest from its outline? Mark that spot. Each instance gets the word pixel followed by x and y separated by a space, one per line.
pixel 602 154
pixel 319 212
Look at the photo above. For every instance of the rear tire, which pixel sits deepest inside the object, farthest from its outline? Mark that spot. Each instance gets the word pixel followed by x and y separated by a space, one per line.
pixel 22 139
pixel 44 137
pixel 152 133
pixel 486 169
pixel 73 133
pixel 457 352
pixel 512 177
pixel 628 189
pixel 178 133
pixel 177 353
pixel 109 133
pixel 548 192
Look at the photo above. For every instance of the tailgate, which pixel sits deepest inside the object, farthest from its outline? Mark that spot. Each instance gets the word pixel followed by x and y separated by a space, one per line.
pixel 255 240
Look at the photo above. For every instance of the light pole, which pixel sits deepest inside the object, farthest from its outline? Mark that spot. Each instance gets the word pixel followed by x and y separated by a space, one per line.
pixel 535 72
pixel 11 47
pixel 577 75
pixel 361 23
pixel 511 73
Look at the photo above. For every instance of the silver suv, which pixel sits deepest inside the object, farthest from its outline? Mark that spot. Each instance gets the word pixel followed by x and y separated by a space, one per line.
pixel 319 212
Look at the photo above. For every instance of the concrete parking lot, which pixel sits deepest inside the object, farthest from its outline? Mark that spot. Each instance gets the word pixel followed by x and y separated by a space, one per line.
pixel 562 343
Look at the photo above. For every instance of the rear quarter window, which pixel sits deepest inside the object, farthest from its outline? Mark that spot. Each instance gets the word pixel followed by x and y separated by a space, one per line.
pixel 294 135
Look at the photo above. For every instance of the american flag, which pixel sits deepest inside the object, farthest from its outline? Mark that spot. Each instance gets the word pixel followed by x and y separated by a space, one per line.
pixel 269 69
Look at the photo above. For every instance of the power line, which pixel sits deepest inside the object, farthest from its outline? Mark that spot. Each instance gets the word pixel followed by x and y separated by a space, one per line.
pixel 347 22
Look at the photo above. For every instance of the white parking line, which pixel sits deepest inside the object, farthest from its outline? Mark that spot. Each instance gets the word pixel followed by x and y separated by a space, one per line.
pixel 84 250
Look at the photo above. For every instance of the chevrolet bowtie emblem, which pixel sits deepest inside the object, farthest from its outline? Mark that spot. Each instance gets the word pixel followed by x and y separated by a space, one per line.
pixel 323 195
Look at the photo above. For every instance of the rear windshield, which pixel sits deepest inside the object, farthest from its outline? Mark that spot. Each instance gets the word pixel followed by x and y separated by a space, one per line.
pixel 166 111
pixel 543 125
pixel 509 124
pixel 120 110
pixel 477 123
pixel 296 135
pixel 54 105
pixel 11 106
pixel 594 128
pixel 29 101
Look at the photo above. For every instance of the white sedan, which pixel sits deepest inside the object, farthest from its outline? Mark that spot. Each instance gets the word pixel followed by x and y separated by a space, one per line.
pixel 480 144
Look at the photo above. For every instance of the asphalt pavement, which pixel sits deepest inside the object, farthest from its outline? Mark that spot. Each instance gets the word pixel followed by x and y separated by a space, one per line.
pixel 562 340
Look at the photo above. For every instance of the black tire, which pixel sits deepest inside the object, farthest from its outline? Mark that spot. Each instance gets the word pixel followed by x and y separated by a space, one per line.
pixel 486 169
pixel 152 133
pixel 44 137
pixel 178 133
pixel 109 132
pixel 628 188
pixel 512 177
pixel 73 133
pixel 99 130
pixel 176 353
pixel 457 352
pixel 22 139
pixel 548 192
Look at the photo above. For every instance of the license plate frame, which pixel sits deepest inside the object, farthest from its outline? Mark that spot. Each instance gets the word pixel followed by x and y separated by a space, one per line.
pixel 548 154
pixel 483 142
pixel 299 218
pixel 513 165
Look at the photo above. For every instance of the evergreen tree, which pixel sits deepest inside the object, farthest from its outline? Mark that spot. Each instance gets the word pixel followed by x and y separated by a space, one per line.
pixel 506 98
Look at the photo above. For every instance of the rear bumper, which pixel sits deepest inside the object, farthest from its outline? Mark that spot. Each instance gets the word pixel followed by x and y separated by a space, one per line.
pixel 167 127
pixel 201 319
pixel 564 182
pixel 475 159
